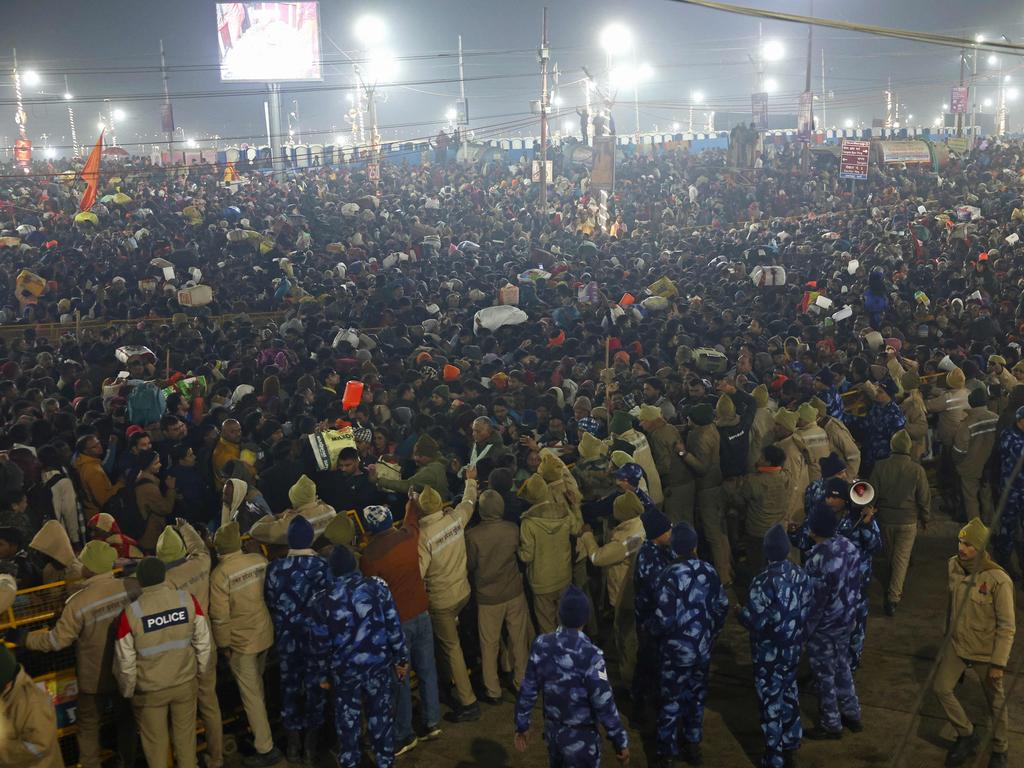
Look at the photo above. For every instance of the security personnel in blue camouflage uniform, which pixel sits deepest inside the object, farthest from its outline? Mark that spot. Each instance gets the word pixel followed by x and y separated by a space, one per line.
pixel 833 566
pixel 1011 446
pixel 290 585
pixel 627 478
pixel 570 671
pixel 688 615
pixel 362 648
pixel 883 420
pixel 780 600
pixel 830 466
pixel 655 556
pixel 860 527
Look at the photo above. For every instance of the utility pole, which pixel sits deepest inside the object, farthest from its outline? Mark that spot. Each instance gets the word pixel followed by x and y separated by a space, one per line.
pixel 19 116
pixel 544 116
pixel 960 115
pixel 974 94
pixel 463 116
pixel 824 93
pixel 168 116
pixel 805 159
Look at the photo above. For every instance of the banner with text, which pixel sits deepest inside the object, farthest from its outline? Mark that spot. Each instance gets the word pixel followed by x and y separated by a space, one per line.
pixel 853 159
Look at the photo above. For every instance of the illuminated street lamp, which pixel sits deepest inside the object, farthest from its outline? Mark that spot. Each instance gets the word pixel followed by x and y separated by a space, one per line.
pixel 617 41
pixel 773 50
pixel 31 78
pixel 697 97
pixel 848 123
pixel 380 67
pixel 771 85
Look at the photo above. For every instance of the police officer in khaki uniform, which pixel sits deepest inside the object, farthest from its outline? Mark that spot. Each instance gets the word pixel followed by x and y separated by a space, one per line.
pixel 972 446
pixel 86 621
pixel 28 724
pixel 162 646
pixel 187 559
pixel 243 632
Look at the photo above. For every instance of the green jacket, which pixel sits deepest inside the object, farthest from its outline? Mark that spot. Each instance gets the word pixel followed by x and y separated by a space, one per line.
pixel 434 474
pixel 902 495
pixel 545 547
pixel 765 494
pixel 593 478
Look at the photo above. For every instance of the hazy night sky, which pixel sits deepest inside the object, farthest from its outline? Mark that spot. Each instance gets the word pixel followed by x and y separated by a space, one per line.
pixel 110 49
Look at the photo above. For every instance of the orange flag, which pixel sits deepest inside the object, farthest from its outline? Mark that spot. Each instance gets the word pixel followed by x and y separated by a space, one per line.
pixel 91 174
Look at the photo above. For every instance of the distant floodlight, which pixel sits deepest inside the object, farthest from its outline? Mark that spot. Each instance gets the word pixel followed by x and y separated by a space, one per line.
pixel 675 126
pixel 68 96
pixel 773 50
pixel 339 140
pixel 191 143
pixel 616 38
pixel 370 30
pixel 382 67
pixel 49 153
pixel 987 103
pixel 450 114
pixel 771 85
pixel 119 114
pixel 567 126
pixel 31 78
pixel 848 123
pixel 979 38
pixel 993 60
pixel 697 97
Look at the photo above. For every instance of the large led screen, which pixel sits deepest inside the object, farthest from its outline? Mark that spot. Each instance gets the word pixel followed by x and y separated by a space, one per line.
pixel 269 42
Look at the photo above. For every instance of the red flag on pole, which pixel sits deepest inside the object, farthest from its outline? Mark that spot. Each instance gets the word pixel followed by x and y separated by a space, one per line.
pixel 91 174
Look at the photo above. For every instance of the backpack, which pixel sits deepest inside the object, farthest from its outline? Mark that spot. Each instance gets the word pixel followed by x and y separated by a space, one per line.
pixel 145 404
pixel 124 508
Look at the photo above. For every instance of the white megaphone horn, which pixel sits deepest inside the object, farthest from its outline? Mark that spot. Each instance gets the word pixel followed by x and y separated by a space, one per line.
pixel 862 493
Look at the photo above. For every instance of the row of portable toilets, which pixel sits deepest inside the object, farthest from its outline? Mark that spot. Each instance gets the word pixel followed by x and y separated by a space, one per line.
pixel 512 150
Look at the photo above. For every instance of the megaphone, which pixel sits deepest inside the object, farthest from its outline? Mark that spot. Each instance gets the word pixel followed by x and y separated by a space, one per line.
pixel 862 493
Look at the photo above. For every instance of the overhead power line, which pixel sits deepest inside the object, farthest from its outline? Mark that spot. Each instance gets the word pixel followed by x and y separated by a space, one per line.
pixel 950 41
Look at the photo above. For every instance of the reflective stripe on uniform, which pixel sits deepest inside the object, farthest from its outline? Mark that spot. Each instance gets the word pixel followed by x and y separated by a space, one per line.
pixel 241 578
pixel 123 598
pixel 170 645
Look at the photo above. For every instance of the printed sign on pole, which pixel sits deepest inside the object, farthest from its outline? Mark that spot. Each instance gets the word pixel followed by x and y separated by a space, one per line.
pixel 602 173
pixel 548 168
pixel 373 171
pixel 958 100
pixel 853 159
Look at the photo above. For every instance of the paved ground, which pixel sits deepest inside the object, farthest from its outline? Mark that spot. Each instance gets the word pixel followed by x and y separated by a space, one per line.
pixel 897 660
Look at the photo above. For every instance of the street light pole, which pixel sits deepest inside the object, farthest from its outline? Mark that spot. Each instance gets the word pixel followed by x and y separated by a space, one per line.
pixel 544 115
pixel 974 89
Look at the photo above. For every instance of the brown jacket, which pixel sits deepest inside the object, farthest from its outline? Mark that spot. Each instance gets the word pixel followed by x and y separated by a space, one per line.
pixel 238 613
pixel 154 507
pixel 97 486
pixel 87 621
pixel 491 558
pixel 902 494
pixel 986 625
pixel 28 726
